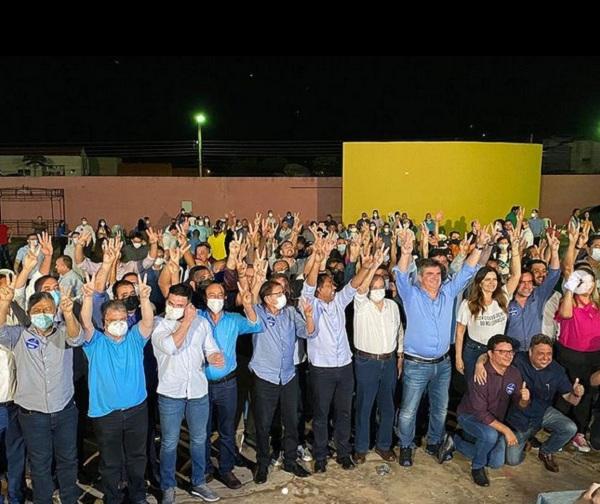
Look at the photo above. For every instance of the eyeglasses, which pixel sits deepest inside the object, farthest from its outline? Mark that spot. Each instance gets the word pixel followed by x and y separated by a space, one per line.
pixel 505 352
pixel 275 294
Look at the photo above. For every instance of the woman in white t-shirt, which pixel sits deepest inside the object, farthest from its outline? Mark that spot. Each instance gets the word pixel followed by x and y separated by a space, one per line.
pixel 484 314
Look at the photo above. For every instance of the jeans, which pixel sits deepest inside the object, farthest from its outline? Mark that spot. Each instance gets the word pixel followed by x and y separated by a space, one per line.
pixel 418 377
pixel 375 382
pixel 267 396
pixel 10 431
pixel 335 384
pixel 121 437
pixel 488 447
pixel 471 352
pixel 562 430
pixel 51 436
pixel 172 411
pixel 223 405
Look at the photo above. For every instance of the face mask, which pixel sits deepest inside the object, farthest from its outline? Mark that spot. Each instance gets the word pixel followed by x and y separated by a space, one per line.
pixel 386 230
pixel 118 328
pixel 132 303
pixel 103 223
pixel 377 295
pixel 281 302
pixel 341 249
pixel 375 215
pixel 405 225
pixel 503 246
pixel 270 214
pixel 372 228
pixel 172 313
pixel 137 245
pixel 159 261
pixel 596 254
pixel 33 243
pixel 55 296
pixel 84 222
pixel 42 320
pixel 586 285
pixel 215 305
pixel 533 215
pixel 206 221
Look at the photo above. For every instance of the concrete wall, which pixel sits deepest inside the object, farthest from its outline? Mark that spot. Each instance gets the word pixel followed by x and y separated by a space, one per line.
pixel 561 193
pixel 125 199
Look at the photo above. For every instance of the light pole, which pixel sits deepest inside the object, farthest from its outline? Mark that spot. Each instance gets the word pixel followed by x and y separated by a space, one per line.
pixel 200 120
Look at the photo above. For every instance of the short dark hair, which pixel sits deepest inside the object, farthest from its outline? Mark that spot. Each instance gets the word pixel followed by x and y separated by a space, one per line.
pixel 37 297
pixel 322 278
pixel 37 286
pixel 67 260
pixel 113 304
pixel 212 282
pixel 494 341
pixel 181 289
pixel 120 283
pixel 267 288
pixel 540 339
pixel 429 263
pixel 532 262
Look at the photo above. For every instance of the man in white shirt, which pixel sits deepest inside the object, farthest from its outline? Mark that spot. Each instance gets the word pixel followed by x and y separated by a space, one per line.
pixel 183 344
pixel 378 340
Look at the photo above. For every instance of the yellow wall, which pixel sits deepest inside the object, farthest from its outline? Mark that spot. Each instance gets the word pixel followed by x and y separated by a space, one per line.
pixel 466 180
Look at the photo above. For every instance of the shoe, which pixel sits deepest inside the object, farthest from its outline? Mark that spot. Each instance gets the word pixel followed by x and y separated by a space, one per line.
pixel 168 496
pixel 230 481
pixel 260 476
pixel 549 462
pixel 346 463
pixel 480 477
pixel 320 466
pixel 276 459
pixel 359 458
pixel 406 455
pixel 446 449
pixel 208 477
pixel 581 443
pixel 205 493
pixel 304 453
pixel 296 469
pixel 433 449
pixel 387 455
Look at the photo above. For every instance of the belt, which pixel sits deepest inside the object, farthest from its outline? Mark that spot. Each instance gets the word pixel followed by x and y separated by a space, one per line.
pixel 476 343
pixel 6 404
pixel 367 355
pixel 225 378
pixel 421 360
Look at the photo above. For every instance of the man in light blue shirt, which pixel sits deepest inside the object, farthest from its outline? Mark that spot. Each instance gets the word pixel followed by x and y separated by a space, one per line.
pixel 275 380
pixel 429 307
pixel 332 376
pixel 222 381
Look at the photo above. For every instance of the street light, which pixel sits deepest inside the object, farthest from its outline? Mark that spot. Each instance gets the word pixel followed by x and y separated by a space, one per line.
pixel 200 120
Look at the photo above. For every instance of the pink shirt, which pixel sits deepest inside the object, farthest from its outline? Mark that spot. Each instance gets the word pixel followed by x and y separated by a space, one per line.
pixel 581 332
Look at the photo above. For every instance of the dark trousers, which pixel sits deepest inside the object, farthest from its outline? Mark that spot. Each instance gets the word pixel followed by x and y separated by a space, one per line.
pixel 267 396
pixel 48 436
pixel 223 406
pixel 123 433
pixel 10 431
pixel 578 365
pixel 5 257
pixel 336 385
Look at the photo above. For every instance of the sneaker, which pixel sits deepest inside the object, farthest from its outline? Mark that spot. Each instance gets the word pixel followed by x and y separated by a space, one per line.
pixel 304 454
pixel 205 493
pixel 446 449
pixel 168 496
pixel 405 458
pixel 581 443
pixel 276 459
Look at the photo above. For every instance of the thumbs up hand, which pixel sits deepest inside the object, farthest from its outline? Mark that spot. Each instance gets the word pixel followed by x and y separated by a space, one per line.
pixel 578 388
pixel 525 394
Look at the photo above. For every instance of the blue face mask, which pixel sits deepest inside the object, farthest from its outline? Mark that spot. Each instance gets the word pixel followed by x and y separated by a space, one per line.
pixel 56 297
pixel 42 320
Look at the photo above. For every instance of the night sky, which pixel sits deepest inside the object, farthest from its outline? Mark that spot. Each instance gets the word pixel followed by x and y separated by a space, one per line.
pixel 131 98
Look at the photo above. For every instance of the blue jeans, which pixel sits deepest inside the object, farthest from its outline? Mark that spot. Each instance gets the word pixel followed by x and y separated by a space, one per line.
pixel 375 380
pixel 416 379
pixel 488 448
pixel 15 452
pixel 562 430
pixel 223 404
pixel 471 352
pixel 172 412
pixel 48 436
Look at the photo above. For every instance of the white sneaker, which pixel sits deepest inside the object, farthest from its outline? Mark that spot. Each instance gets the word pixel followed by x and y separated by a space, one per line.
pixel 581 443
pixel 303 453
pixel 276 462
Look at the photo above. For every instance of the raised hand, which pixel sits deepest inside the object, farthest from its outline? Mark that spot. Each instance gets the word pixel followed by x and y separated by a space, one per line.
pixel 406 242
pixel 7 293
pixel 66 301
pixel 45 244
pixel 483 238
pixel 154 236
pixel 30 260
pixel 144 288
pixel 525 394
pixel 84 239
pixel 245 295
pixel 234 247
pixel 88 287
pixel 306 307
pixel 578 389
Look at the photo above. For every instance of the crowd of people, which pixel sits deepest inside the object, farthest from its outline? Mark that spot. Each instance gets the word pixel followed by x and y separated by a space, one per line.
pixel 297 330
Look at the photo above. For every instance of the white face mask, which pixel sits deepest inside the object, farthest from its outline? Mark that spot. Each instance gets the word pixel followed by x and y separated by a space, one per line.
pixel 586 285
pixel 281 302
pixel 118 328
pixel 215 305
pixel 377 295
pixel 159 261
pixel 596 254
pixel 137 245
pixel 172 313
pixel 84 222
pixel 341 249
